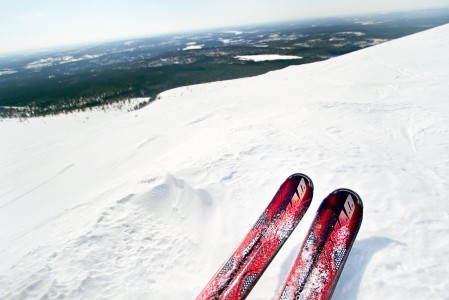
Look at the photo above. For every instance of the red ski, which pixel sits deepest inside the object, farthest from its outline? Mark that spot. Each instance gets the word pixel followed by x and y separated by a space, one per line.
pixel 323 253
pixel 239 274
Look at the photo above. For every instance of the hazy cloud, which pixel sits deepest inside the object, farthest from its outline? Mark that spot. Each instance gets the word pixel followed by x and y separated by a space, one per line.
pixel 29 15
pixel 28 24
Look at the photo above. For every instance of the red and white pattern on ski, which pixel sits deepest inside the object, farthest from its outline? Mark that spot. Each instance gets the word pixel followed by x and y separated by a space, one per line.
pixel 315 274
pixel 257 261
pixel 327 265
pixel 238 275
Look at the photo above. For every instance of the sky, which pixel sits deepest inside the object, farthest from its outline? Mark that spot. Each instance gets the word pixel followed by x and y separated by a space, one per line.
pixel 34 24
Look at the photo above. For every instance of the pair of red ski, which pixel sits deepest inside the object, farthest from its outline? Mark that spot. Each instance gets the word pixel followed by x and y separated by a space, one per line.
pixel 321 258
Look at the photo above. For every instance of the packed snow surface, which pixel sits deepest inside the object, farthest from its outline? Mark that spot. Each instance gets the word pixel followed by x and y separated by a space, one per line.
pixel 149 204
pixel 7 72
pixel 265 57
pixel 53 61
pixel 193 46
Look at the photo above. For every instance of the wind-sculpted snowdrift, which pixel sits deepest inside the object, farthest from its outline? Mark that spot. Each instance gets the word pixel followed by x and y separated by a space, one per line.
pixel 140 238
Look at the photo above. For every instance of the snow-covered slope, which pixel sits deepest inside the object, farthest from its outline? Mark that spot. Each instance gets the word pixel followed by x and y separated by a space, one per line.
pixel 148 204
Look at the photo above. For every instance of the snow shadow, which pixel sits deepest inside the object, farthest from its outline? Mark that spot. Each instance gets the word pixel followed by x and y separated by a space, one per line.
pixel 358 259
pixel 361 253
pixel 286 265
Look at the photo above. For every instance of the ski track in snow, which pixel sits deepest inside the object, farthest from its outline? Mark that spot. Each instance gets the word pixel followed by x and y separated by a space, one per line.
pixel 149 204
pixel 39 186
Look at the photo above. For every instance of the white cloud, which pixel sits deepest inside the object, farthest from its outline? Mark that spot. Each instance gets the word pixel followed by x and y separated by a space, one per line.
pixel 29 15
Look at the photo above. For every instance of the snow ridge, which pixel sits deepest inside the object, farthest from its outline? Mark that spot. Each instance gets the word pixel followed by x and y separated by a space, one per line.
pixel 138 238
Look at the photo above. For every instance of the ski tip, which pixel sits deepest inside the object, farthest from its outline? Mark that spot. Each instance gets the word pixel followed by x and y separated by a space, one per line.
pixel 353 194
pixel 350 200
pixel 301 175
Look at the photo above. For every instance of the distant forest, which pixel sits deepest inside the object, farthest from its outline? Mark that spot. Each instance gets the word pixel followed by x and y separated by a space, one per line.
pixel 122 70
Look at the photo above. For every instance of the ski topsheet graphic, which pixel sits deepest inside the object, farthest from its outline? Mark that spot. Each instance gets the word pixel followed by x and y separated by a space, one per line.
pixel 239 274
pixel 325 249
